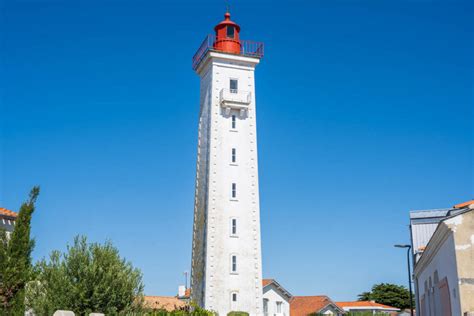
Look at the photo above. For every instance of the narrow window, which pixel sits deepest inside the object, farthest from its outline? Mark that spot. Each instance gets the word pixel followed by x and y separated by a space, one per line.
pixel 278 307
pixel 265 306
pixel 234 85
pixel 234 121
pixel 234 190
pixel 234 297
pixel 234 226
pixel 230 31
pixel 234 263
pixel 234 155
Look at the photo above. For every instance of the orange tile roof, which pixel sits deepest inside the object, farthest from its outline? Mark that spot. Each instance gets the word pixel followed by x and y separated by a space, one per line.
pixel 169 303
pixel 305 305
pixel 265 282
pixel 368 304
pixel 461 205
pixel 5 212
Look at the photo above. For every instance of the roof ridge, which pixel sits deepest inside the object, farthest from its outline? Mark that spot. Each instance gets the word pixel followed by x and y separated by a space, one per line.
pixel 322 295
pixel 432 209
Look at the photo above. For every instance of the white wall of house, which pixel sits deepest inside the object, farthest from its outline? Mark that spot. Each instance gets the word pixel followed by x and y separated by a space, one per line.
pixel 368 309
pixel 429 276
pixel 272 298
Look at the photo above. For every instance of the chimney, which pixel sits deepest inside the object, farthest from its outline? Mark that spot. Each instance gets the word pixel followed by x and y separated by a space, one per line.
pixel 181 291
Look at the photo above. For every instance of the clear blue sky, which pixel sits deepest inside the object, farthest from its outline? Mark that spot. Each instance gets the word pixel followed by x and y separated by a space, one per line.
pixel 365 111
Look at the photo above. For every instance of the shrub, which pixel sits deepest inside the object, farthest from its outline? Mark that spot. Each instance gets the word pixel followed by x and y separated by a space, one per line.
pixel 238 314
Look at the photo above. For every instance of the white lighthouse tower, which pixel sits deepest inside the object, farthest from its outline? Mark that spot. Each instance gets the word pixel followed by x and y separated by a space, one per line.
pixel 226 260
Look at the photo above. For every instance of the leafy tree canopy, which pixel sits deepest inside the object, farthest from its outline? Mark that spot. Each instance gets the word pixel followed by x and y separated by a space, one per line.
pixel 389 294
pixel 87 278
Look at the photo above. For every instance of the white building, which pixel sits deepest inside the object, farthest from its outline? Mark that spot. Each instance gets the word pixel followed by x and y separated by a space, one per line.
pixel 444 267
pixel 276 300
pixel 226 272
pixel 368 308
pixel 7 220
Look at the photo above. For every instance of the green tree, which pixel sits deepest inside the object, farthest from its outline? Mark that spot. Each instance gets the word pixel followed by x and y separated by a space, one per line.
pixel 15 260
pixel 389 294
pixel 89 277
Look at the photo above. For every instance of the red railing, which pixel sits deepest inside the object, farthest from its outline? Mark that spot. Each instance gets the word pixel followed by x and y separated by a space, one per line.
pixel 247 48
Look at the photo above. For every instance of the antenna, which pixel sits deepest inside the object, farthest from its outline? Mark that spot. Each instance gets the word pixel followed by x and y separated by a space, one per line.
pixel 185 279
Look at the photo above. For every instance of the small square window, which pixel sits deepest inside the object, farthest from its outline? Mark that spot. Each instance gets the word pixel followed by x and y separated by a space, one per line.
pixel 233 85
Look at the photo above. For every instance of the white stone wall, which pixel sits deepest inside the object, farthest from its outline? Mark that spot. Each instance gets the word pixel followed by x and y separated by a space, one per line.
pixel 213 282
pixel 201 192
pixel 444 262
pixel 272 296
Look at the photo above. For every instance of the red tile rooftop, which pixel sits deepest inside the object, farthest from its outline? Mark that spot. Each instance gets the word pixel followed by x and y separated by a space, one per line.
pixel 265 282
pixel 168 303
pixel 306 305
pixel 364 304
pixel 461 205
pixel 5 212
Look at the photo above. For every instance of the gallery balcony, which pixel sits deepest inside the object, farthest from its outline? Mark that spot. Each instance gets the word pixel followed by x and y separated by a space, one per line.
pixel 235 99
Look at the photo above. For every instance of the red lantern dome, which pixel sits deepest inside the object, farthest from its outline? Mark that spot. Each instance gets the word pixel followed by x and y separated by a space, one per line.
pixel 227 36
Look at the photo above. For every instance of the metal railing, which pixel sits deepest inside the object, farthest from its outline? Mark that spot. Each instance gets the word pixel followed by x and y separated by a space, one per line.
pixel 247 48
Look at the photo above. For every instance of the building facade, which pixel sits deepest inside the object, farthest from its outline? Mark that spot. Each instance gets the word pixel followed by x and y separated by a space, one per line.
pixel 226 272
pixel 276 300
pixel 444 265
pixel 7 220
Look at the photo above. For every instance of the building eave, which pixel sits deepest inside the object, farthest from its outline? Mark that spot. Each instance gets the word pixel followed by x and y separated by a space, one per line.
pixel 440 235
pixel 280 288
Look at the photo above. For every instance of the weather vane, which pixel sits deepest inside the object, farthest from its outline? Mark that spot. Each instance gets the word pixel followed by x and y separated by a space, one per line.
pixel 227 5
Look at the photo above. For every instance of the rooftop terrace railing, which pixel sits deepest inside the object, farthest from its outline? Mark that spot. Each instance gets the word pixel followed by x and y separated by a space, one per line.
pixel 247 48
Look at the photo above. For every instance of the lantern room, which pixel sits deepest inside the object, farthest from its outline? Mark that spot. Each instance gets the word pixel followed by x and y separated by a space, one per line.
pixel 227 40
pixel 227 36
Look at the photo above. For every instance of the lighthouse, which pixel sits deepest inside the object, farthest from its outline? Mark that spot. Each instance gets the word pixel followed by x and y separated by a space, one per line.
pixel 226 269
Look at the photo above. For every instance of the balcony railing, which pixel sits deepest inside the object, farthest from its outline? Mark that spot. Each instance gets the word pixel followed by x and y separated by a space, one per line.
pixel 247 48
pixel 235 98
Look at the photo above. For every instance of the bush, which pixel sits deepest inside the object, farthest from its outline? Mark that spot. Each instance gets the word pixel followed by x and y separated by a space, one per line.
pixel 238 314
pixel 88 277
pixel 189 310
